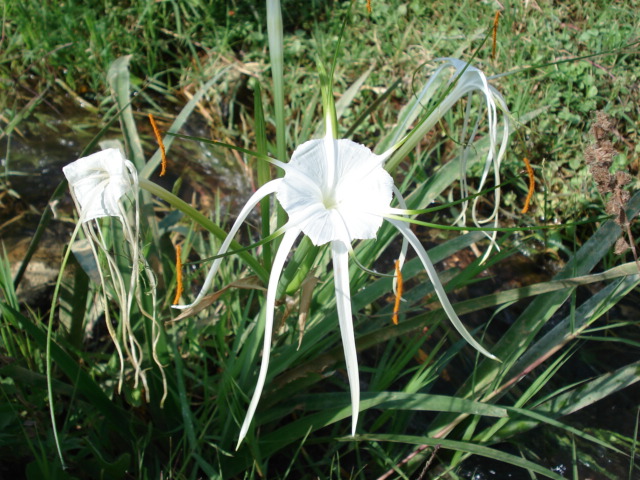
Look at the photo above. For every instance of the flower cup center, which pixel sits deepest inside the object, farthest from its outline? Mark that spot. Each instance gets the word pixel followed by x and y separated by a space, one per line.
pixel 342 198
pixel 330 201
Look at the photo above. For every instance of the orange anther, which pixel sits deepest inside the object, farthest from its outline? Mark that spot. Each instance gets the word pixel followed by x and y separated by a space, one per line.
pixel 178 274
pixel 494 35
pixel 532 185
pixel 396 306
pixel 156 132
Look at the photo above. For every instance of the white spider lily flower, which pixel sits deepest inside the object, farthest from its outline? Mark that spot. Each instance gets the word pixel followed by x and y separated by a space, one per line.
pixel 99 184
pixel 337 191
pixel 333 191
pixel 466 80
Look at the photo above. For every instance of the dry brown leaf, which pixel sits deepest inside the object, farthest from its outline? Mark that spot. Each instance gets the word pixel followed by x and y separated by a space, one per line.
pixel 248 283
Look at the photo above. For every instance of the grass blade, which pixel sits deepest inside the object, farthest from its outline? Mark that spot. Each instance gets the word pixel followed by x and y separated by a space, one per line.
pixel 466 447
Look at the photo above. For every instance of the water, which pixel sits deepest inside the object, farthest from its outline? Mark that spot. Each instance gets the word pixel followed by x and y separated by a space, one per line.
pixel 31 164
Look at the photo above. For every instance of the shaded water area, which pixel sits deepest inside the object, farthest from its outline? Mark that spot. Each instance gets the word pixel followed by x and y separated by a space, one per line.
pixel 31 162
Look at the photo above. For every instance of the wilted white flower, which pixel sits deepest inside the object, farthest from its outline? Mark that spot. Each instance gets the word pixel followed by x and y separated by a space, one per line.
pixel 466 81
pixel 99 181
pixel 99 185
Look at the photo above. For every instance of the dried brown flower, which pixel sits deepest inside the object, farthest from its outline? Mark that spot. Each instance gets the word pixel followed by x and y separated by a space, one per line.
pixel 599 157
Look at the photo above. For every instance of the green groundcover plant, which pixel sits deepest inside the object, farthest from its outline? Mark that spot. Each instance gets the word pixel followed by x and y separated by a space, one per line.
pixel 182 395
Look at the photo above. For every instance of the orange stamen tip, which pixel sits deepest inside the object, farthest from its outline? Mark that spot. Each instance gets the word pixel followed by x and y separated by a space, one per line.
pixel 532 186
pixel 494 34
pixel 396 306
pixel 163 154
pixel 369 6
pixel 179 289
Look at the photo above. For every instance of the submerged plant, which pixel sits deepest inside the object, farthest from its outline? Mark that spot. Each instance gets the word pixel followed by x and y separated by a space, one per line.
pixel 336 191
pixel 99 185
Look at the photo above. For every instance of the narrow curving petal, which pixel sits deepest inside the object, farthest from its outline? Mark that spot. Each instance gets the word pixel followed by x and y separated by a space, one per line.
pixel 437 285
pixel 493 217
pixel 288 240
pixel 340 255
pixel 266 189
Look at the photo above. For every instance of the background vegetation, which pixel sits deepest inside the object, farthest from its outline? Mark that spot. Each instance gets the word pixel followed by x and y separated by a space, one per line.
pixel 576 341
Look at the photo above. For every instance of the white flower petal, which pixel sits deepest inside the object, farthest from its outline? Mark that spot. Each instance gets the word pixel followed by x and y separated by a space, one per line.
pixel 267 189
pixel 288 240
pixel 360 224
pixel 340 255
pixel 322 225
pixel 323 190
pixel 437 286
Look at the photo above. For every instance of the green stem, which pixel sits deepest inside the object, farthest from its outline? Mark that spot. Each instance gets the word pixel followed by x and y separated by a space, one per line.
pixel 276 54
pixel 49 367
pixel 263 170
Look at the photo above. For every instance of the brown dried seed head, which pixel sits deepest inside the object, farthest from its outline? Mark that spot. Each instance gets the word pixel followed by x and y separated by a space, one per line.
pixel 602 127
pixel 622 178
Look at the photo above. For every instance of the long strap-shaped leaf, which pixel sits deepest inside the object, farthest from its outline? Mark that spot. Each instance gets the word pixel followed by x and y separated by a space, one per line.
pixel 119 81
pixel 332 407
pixel 468 447
pixel 518 338
pixel 84 384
